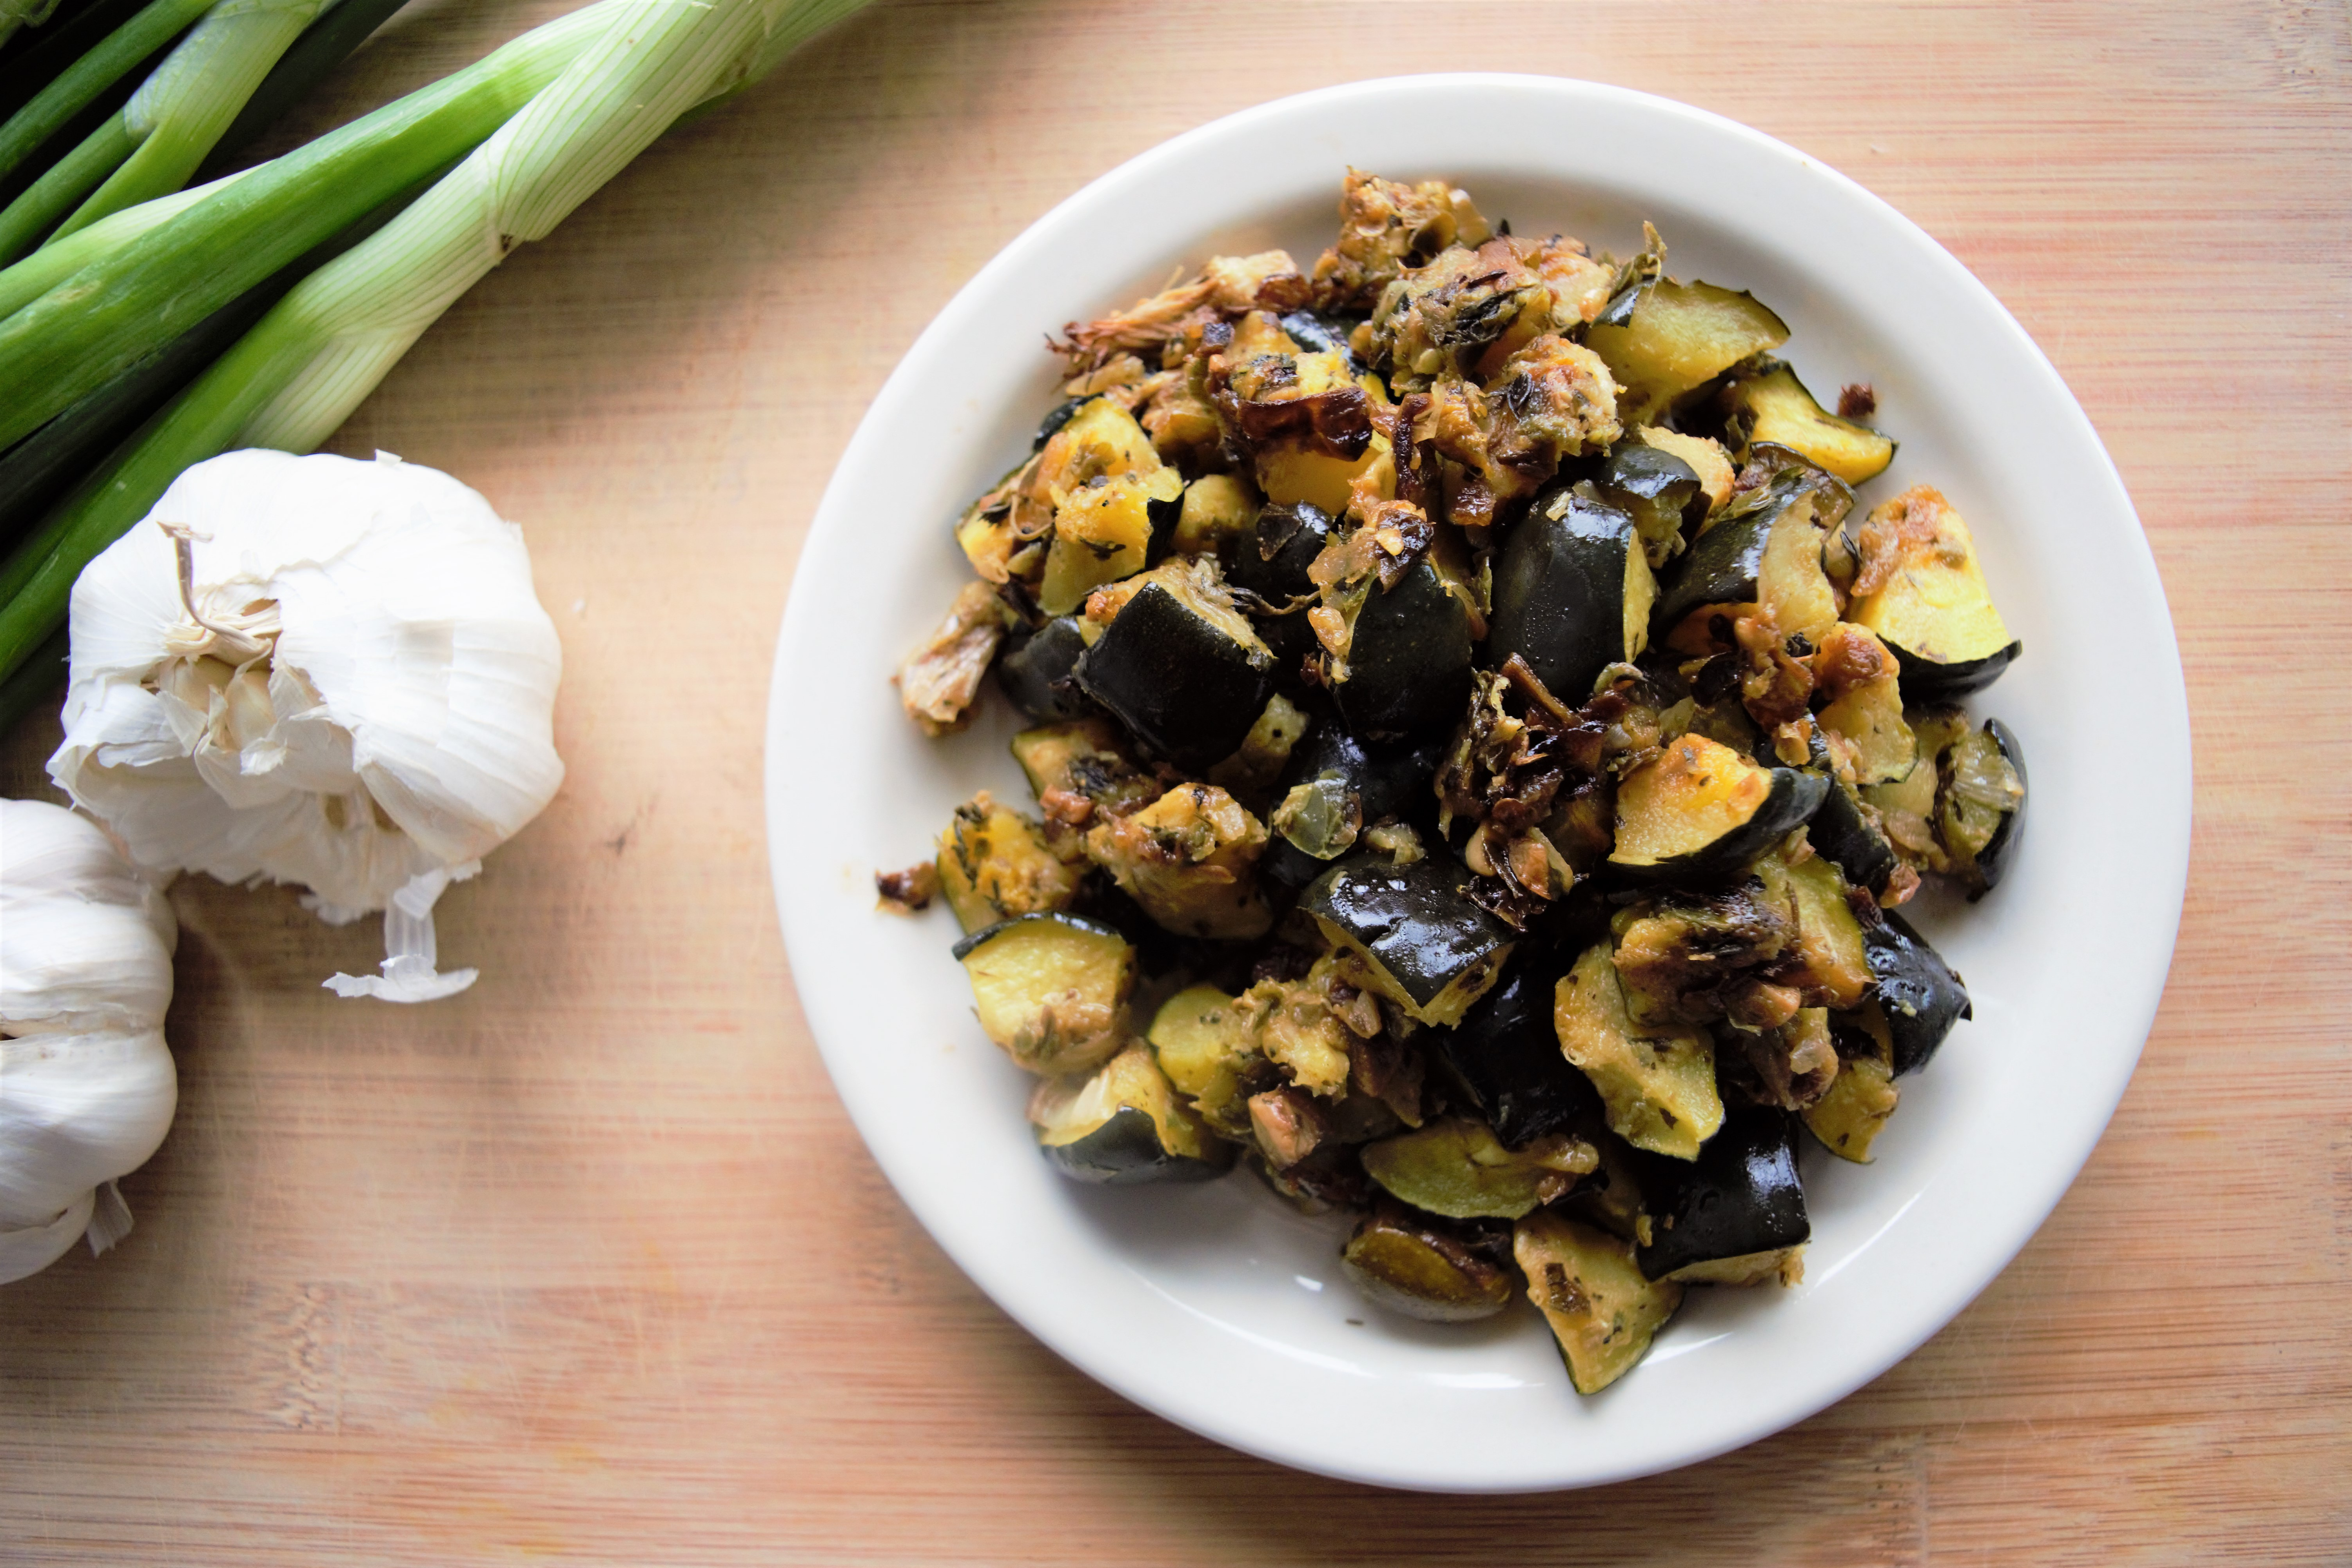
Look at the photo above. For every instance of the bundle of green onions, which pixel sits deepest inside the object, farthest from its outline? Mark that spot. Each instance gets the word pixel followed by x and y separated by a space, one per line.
pixel 150 328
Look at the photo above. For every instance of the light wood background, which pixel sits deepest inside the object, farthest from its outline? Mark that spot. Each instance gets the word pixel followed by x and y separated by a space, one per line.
pixel 588 1264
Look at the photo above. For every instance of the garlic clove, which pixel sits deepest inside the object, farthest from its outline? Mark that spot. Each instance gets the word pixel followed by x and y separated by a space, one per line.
pixel 27 1249
pixel 79 1109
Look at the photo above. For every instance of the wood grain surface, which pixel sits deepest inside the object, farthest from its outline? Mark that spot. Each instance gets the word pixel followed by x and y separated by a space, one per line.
pixel 587 1265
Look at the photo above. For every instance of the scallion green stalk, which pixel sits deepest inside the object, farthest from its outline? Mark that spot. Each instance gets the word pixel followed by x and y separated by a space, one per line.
pixel 81 332
pixel 92 74
pixel 181 109
pixel 28 280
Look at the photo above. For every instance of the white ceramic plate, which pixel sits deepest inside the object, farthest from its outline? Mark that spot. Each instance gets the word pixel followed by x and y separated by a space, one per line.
pixel 1218 1307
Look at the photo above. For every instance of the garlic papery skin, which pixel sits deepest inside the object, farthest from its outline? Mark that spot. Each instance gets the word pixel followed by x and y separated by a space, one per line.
pixel 87 1085
pixel 316 671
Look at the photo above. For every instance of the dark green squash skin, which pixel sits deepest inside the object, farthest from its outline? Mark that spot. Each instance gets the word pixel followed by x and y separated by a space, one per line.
pixel 1507 1054
pixel 2001 851
pixel 1559 592
pixel 1126 1152
pixel 1164 515
pixel 1321 335
pixel 1796 796
pixel 1921 995
pixel 1741 1195
pixel 1724 565
pixel 1272 564
pixel 1409 659
pixel 1182 687
pixel 1645 483
pixel 965 947
pixel 1409 918
pixel 1845 838
pixel 1061 414
pixel 1923 681
pixel 1389 780
pixel 1036 673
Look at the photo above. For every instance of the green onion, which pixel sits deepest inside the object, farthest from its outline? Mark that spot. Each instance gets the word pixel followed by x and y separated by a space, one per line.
pixel 329 41
pixel 15 14
pixel 92 74
pixel 295 377
pixel 35 681
pixel 179 112
pixel 30 63
pixel 59 259
pixel 81 333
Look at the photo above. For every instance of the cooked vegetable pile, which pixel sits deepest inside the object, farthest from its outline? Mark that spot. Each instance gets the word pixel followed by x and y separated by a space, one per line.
pixel 1480 744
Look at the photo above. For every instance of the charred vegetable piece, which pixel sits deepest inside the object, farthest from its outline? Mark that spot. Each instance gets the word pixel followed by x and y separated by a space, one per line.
pixel 1768 402
pixel 1123 1126
pixel 1181 670
pixel 1215 518
pixel 1051 989
pixel 1842 834
pixel 1418 941
pixel 1104 531
pixel 1456 1167
pixel 1661 493
pixel 994 865
pixel 1272 562
pixel 1408 657
pixel 1858 675
pixel 1190 859
pixel 1036 671
pixel 1662 341
pixel 1833 965
pixel 1764 548
pixel 1412 1265
pixel 1737 1215
pixel 1848 1119
pixel 1980 805
pixel 1573 591
pixel 1594 1297
pixel 1204 1041
pixel 1920 994
pixel 1506 1054
pixel 1082 766
pixel 1657 1081
pixel 1699 810
pixel 1340 779
pixel 1919 586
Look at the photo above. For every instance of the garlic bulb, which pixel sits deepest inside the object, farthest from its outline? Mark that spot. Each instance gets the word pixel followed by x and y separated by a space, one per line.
pixel 321 671
pixel 87 1087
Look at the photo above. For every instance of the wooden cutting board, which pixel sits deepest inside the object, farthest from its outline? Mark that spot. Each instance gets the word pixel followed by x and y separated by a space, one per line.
pixel 588 1265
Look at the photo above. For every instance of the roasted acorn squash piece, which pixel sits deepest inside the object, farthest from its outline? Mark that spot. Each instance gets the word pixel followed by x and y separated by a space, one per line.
pixel 1669 339
pixel 1734 1216
pixel 1124 1125
pixel 1190 859
pixel 1456 1167
pixel 1832 962
pixel 1420 1267
pixel 1701 810
pixel 1764 548
pixel 1849 837
pixel 1657 1081
pixel 1506 1052
pixel 1980 804
pixel 1860 678
pixel 1181 667
pixel 1204 1041
pixel 994 865
pixel 1919 995
pixel 1036 671
pixel 1766 402
pixel 1410 932
pixel 1594 1297
pixel 1660 491
pixel 1219 511
pixel 1051 989
pixel 1409 657
pixel 1919 586
pixel 1849 1118
pixel 1103 531
pixel 1573 590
